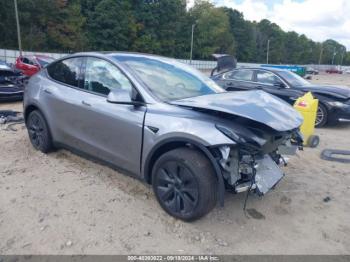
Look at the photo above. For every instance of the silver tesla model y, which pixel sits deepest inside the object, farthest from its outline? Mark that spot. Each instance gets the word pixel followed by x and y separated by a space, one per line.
pixel 163 122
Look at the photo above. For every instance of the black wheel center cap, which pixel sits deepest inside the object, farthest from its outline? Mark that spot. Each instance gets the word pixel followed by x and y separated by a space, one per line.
pixel 177 186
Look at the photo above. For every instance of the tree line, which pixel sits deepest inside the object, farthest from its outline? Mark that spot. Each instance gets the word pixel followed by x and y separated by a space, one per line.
pixel 158 26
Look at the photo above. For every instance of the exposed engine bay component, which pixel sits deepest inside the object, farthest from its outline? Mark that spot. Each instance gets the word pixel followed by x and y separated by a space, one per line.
pixel 245 170
pixel 268 174
pixel 230 164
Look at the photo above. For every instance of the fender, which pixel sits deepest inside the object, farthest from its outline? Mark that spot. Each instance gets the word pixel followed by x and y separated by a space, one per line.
pixel 203 149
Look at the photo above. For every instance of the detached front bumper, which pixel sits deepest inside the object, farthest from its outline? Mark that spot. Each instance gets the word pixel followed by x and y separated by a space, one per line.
pixel 268 174
pixel 259 173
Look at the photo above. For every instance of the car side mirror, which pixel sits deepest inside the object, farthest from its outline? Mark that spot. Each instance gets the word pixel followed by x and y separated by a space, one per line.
pixel 119 96
pixel 280 85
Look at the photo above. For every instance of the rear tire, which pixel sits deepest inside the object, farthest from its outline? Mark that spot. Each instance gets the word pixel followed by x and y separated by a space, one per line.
pixel 185 184
pixel 321 116
pixel 38 131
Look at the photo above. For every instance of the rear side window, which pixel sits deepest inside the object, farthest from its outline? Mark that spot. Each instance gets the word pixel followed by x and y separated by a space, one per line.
pixel 240 75
pixel 66 71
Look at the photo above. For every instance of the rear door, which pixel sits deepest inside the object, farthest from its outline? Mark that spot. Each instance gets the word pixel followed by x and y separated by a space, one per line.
pixel 62 98
pixel 237 80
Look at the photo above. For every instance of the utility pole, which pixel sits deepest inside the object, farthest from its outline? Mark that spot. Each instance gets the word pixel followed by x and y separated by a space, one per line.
pixel 193 25
pixel 320 58
pixel 268 50
pixel 334 53
pixel 18 30
pixel 342 56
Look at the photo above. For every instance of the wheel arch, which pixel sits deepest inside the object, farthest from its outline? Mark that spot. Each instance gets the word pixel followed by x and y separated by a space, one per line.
pixel 30 108
pixel 173 143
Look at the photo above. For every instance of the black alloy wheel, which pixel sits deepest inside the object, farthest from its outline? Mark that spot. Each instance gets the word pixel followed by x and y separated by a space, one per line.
pixel 38 132
pixel 184 183
pixel 321 116
pixel 177 187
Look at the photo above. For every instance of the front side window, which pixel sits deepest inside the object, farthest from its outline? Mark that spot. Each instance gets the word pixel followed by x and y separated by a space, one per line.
pixel 66 71
pixel 268 78
pixel 240 75
pixel 168 79
pixel 101 77
pixel 294 79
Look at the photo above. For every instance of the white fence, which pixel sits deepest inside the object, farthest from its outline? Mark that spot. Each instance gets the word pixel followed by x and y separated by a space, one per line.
pixel 11 55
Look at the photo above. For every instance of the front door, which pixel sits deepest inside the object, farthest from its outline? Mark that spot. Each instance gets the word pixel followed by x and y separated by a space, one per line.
pixel 110 131
pixel 271 83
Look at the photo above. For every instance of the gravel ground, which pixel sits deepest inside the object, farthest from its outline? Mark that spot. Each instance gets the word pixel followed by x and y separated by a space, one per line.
pixel 63 204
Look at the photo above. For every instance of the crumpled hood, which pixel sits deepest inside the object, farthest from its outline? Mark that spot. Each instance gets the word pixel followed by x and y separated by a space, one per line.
pixel 258 106
pixel 338 91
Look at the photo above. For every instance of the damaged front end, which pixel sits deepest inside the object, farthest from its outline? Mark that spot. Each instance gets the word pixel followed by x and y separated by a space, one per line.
pixel 254 162
pixel 262 127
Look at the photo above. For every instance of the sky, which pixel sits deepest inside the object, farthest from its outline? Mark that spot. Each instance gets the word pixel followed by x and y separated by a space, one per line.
pixel 317 19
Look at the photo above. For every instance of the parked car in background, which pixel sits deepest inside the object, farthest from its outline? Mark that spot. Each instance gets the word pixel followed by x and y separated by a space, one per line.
pixel 11 83
pixel 311 71
pixel 297 69
pixel 334 70
pixel 29 65
pixel 164 122
pixel 334 101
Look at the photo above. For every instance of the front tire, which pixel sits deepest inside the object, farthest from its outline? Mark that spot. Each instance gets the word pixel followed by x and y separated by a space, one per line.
pixel 321 116
pixel 38 131
pixel 184 183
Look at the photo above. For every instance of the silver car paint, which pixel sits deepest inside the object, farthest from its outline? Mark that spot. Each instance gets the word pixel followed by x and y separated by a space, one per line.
pixel 113 132
pixel 255 105
pixel 177 123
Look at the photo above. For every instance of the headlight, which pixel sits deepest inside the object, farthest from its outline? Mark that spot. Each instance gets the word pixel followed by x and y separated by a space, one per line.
pixel 337 104
pixel 230 134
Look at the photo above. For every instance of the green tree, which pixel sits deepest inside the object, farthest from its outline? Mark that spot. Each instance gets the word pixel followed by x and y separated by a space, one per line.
pixel 8 32
pixel 65 26
pixel 212 31
pixel 332 52
pixel 159 27
pixel 268 31
pixel 110 25
pixel 244 34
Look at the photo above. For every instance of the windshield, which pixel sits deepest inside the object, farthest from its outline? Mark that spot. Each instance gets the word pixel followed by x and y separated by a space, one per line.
pixel 168 79
pixel 43 61
pixel 293 79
